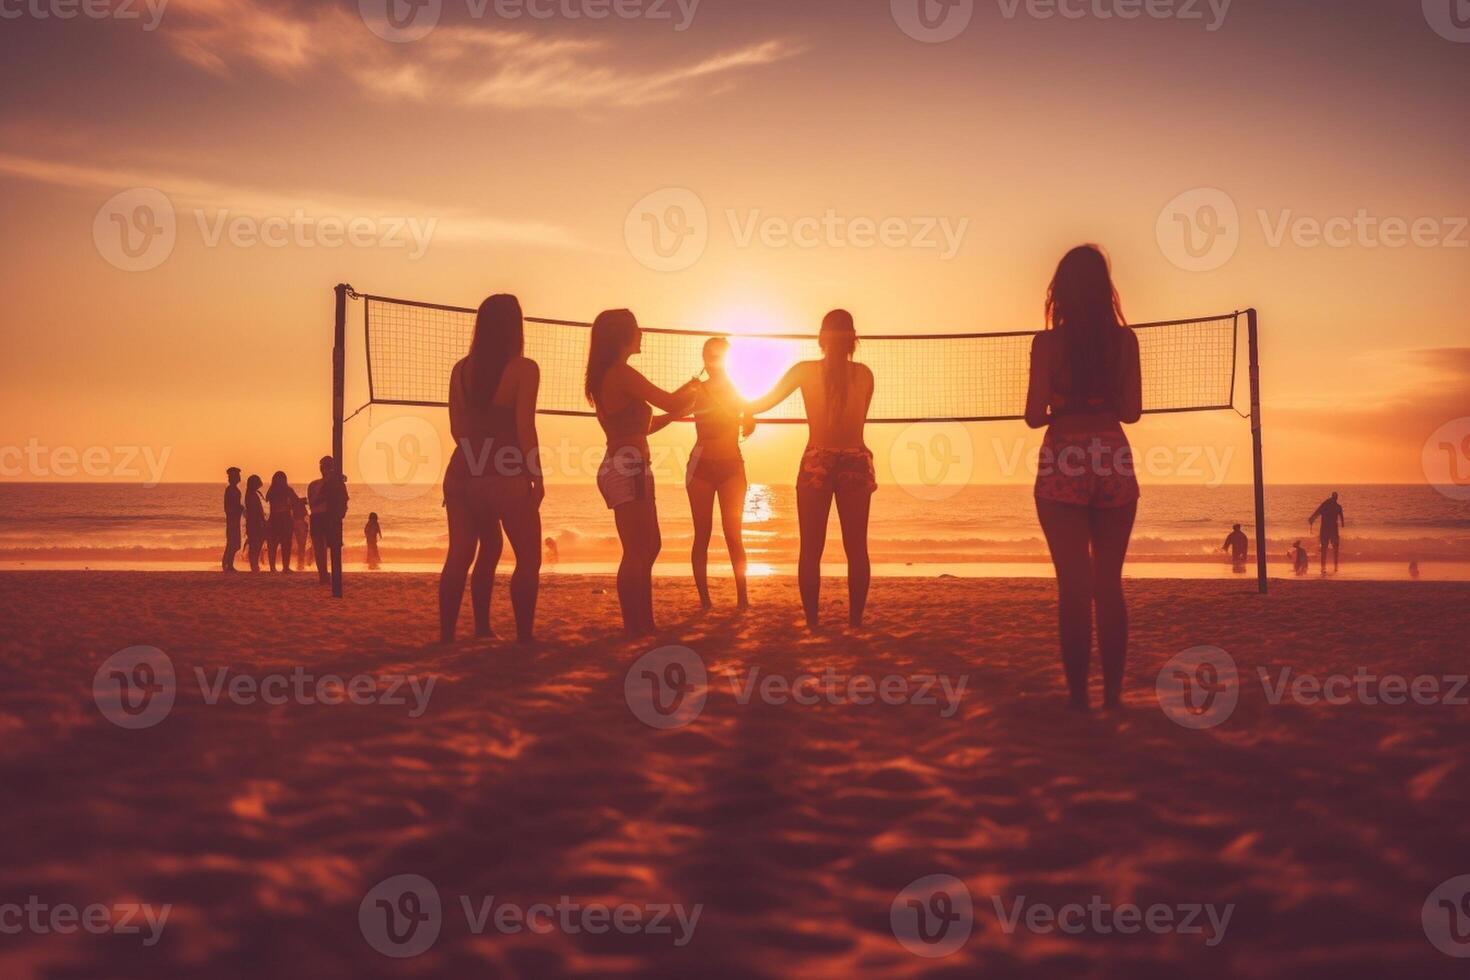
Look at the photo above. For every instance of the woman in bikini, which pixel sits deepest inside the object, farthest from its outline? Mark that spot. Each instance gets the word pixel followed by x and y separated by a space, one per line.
pixel 1085 386
pixel 837 463
pixel 494 478
pixel 716 469
pixel 622 396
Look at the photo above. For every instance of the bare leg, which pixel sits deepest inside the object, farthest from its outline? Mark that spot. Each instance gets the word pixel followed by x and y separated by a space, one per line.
pixel 464 538
pixel 1068 533
pixel 732 515
pixel 813 507
pixel 523 528
pixel 482 578
pixel 701 508
pixel 637 524
pixel 852 515
pixel 1111 529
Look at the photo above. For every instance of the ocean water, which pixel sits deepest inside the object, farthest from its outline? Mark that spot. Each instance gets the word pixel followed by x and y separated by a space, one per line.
pixel 974 530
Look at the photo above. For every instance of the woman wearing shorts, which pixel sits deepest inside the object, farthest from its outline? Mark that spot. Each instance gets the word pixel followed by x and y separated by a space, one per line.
pixel 1085 386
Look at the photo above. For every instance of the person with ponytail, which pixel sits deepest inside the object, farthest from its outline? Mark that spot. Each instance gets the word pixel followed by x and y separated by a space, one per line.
pixel 1086 384
pixel 837 464
pixel 622 396
pixel 494 479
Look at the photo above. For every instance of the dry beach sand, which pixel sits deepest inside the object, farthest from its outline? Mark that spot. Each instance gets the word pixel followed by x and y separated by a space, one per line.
pixel 527 776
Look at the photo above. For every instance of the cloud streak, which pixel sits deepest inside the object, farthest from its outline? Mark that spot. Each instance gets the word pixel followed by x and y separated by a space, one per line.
pixel 465 66
pixel 184 191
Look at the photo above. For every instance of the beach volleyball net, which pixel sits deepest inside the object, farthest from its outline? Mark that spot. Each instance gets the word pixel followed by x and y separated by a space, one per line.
pixel 1187 365
pixel 411 347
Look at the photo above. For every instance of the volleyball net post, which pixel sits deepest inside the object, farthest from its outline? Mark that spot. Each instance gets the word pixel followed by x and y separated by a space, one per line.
pixel 1253 343
pixel 339 391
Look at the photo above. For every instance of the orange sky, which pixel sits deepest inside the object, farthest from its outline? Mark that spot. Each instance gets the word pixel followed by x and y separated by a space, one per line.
pixel 524 144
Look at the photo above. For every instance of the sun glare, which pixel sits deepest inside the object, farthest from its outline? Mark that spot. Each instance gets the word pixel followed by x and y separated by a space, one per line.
pixel 755 365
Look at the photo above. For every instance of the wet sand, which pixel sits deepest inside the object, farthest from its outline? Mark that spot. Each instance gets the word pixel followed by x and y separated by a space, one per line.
pixel 528 777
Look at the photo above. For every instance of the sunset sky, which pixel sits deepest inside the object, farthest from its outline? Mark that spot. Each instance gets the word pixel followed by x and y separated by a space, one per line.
pixel 523 144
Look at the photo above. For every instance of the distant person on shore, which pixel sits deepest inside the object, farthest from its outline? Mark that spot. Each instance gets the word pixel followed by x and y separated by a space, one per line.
pixel 255 527
pixel 622 397
pixel 1300 561
pixel 234 510
pixel 494 481
pixel 552 554
pixel 1333 520
pixel 837 464
pixel 372 532
pixel 327 498
pixel 279 524
pixel 716 469
pixel 1239 547
pixel 300 529
pixel 1086 384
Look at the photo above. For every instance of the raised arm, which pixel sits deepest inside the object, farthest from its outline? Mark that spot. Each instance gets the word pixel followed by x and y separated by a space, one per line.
pixel 675 402
pixel 789 382
pixel 526 393
pixel 1038 392
pixel 1130 402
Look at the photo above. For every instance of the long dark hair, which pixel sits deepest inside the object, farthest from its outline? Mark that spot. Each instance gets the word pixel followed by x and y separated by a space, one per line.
pixel 610 334
pixel 499 336
pixel 839 342
pixel 1082 306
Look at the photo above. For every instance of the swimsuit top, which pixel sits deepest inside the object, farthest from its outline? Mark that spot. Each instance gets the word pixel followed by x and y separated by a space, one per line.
pixel 487 429
pixel 628 425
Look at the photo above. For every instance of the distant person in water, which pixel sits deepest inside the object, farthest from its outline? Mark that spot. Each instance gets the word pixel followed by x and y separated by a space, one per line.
pixel 1413 569
pixel 1333 520
pixel 837 464
pixel 716 469
pixel 1085 386
pixel 1239 547
pixel 1299 558
pixel 300 529
pixel 552 554
pixel 373 533
pixel 234 510
pixel 494 479
pixel 255 527
pixel 327 497
pixel 279 524
pixel 622 396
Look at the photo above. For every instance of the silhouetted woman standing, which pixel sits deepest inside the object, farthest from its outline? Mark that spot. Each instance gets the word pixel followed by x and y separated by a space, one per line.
pixel 837 463
pixel 279 525
pixel 717 470
pixel 494 479
pixel 622 397
pixel 255 528
pixel 1085 385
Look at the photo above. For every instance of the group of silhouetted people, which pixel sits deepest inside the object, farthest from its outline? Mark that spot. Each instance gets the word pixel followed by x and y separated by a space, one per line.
pixel 1085 385
pixel 1329 512
pixel 278 520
